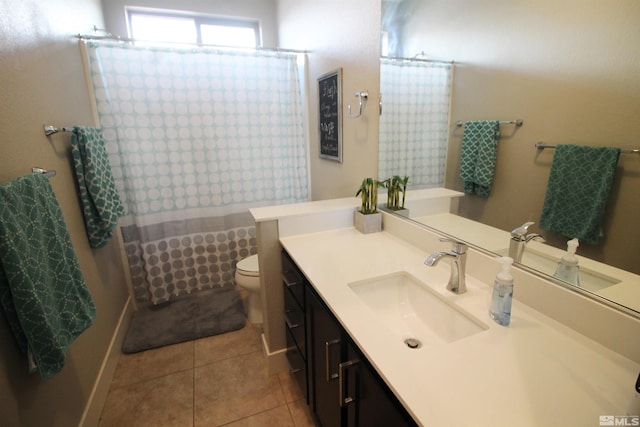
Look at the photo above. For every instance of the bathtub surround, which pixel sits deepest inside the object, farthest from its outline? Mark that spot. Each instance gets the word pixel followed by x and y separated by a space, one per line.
pixel 197 135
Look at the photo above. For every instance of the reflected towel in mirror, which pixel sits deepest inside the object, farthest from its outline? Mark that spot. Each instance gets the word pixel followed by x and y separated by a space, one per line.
pixel 478 155
pixel 578 190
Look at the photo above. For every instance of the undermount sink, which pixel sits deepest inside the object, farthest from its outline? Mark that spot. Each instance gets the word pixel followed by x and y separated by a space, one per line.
pixel 415 312
pixel 590 280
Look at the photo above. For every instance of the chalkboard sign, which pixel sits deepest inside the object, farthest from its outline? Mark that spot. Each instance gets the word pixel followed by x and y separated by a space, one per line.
pixel 330 110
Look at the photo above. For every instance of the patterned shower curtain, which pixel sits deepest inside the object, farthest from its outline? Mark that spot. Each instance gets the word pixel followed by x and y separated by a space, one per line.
pixel 195 138
pixel 415 120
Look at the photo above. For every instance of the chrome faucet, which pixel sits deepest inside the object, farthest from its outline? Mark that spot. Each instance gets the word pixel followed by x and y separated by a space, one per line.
pixel 456 283
pixel 519 239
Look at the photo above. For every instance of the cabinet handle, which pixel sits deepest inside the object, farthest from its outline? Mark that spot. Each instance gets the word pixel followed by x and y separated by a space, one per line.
pixel 291 281
pixel 344 401
pixel 288 321
pixel 327 358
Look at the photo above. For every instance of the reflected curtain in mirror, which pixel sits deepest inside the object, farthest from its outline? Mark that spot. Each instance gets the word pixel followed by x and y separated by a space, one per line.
pixel 414 123
pixel 197 137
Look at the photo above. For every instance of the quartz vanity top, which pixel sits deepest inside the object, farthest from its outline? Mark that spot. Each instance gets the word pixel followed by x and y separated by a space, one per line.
pixel 534 372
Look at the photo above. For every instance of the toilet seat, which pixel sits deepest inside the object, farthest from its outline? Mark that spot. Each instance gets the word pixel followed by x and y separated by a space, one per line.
pixel 248 266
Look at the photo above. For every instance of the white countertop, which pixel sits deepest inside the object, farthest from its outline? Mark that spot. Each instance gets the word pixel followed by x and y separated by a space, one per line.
pixel 269 213
pixel 536 372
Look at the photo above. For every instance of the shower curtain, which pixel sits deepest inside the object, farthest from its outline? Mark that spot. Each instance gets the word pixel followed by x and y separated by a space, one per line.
pixel 197 137
pixel 415 120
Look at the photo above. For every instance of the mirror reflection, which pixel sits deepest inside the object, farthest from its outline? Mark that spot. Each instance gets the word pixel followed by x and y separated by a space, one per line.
pixel 414 124
pixel 567 72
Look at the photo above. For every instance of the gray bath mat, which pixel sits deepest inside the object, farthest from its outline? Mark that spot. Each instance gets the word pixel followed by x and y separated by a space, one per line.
pixel 198 315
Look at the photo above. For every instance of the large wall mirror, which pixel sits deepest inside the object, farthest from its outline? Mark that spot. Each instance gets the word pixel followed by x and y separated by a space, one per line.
pixel 569 70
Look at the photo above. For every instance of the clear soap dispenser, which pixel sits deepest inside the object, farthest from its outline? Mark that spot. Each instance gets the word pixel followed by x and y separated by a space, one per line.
pixel 500 309
pixel 568 269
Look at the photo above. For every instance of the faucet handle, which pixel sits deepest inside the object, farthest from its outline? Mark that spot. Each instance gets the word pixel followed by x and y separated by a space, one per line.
pixel 458 247
pixel 522 230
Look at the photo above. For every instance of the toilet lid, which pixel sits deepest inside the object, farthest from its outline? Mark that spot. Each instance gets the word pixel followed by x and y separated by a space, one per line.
pixel 248 266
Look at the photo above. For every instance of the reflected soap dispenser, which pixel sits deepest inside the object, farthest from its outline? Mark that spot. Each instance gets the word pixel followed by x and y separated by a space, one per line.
pixel 500 310
pixel 568 269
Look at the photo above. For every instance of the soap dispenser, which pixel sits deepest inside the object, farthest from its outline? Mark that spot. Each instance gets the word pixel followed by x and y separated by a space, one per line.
pixel 500 310
pixel 568 269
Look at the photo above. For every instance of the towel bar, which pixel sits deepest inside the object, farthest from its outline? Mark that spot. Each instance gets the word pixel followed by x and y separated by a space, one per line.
pixel 541 146
pixel 44 172
pixel 517 122
pixel 50 130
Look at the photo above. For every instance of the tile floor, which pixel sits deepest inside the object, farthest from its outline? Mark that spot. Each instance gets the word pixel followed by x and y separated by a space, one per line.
pixel 216 381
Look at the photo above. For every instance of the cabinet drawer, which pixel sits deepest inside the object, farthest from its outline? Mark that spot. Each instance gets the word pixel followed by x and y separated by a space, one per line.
pixel 293 280
pixel 295 293
pixel 294 284
pixel 294 321
pixel 297 364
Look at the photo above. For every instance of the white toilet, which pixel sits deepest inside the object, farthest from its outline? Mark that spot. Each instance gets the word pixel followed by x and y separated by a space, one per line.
pixel 248 277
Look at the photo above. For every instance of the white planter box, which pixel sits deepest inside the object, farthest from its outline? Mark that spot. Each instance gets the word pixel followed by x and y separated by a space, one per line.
pixel 370 223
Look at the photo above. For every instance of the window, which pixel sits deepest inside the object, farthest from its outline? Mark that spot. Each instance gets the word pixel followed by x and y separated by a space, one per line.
pixel 158 26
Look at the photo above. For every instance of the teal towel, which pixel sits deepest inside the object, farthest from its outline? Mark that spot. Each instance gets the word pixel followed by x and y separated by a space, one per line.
pixel 42 290
pixel 578 191
pixel 101 205
pixel 478 156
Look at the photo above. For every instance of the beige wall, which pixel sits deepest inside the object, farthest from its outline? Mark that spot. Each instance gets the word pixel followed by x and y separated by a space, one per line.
pixel 42 81
pixel 339 34
pixel 263 10
pixel 570 71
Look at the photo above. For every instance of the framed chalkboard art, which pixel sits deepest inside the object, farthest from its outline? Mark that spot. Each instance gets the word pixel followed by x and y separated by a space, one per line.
pixel 330 111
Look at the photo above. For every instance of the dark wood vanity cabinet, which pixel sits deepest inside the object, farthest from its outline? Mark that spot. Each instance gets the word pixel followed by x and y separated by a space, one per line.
pixel 296 322
pixel 341 386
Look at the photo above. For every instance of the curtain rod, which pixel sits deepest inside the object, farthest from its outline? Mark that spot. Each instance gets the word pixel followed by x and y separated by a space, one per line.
pixel 193 45
pixel 403 59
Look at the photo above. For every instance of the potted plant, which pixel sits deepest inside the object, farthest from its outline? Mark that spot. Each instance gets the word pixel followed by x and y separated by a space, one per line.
pixel 395 186
pixel 368 219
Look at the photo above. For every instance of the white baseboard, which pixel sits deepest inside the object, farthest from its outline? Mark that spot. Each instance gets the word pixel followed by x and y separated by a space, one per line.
pixel 276 360
pixel 93 410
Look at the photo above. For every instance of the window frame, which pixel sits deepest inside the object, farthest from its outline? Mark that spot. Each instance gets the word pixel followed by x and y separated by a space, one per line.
pixel 198 19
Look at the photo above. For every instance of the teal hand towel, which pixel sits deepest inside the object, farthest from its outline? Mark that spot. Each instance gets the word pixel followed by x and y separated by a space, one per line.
pixel 101 205
pixel 578 190
pixel 478 156
pixel 42 290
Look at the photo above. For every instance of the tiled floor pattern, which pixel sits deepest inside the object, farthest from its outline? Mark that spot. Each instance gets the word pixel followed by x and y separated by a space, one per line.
pixel 215 381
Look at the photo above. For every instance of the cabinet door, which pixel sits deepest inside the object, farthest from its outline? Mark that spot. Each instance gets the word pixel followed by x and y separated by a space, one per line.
pixel 344 389
pixel 368 400
pixel 326 356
